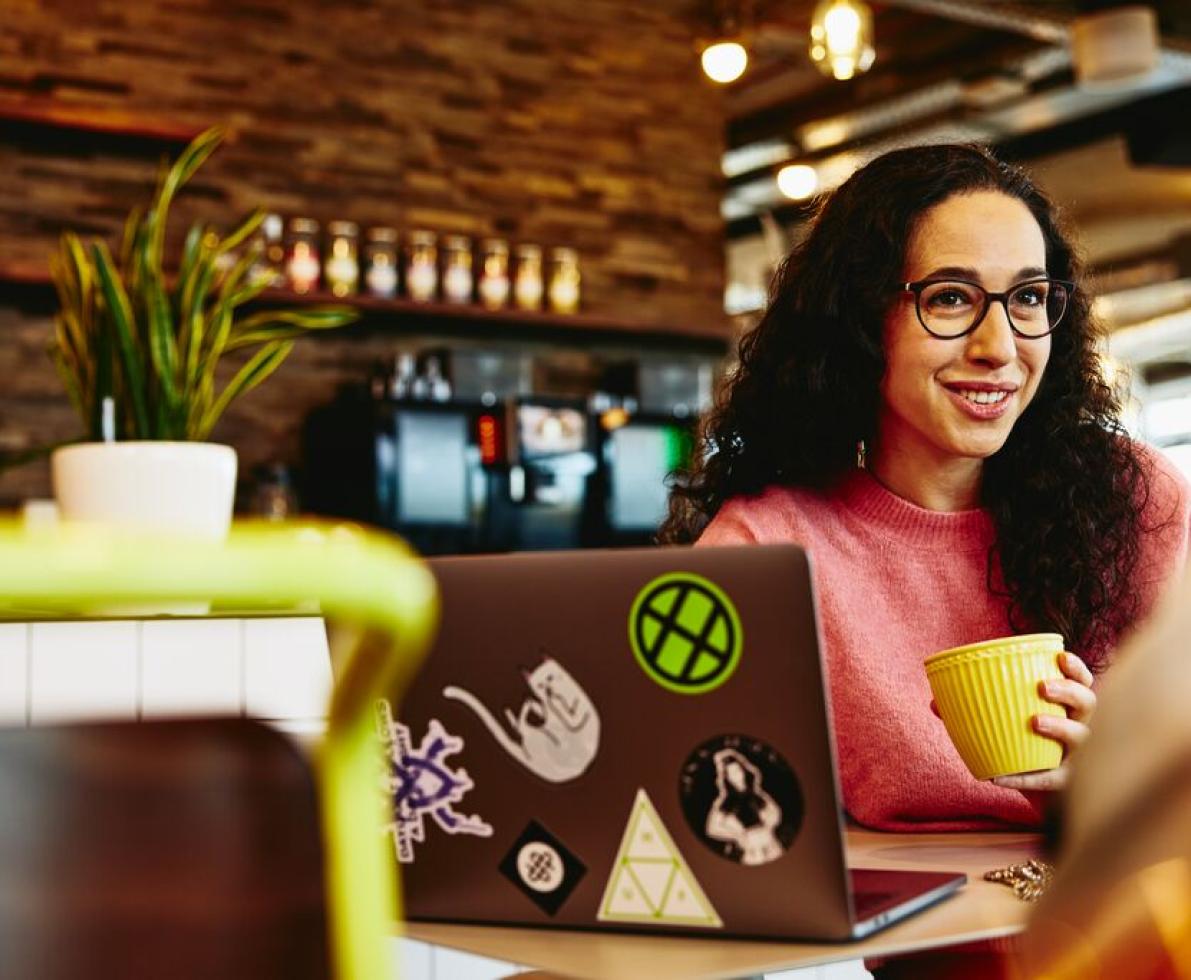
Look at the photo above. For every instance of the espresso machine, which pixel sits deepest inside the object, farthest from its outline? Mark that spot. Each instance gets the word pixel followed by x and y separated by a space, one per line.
pixel 397 452
pixel 638 455
pixel 484 473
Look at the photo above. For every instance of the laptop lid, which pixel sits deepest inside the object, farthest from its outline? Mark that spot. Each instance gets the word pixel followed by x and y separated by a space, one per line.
pixel 630 740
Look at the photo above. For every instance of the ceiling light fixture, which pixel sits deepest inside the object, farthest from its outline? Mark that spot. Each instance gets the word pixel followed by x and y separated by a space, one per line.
pixel 797 181
pixel 724 56
pixel 724 61
pixel 842 38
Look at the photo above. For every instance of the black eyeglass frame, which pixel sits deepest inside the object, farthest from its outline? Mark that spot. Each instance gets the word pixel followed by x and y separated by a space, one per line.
pixel 989 298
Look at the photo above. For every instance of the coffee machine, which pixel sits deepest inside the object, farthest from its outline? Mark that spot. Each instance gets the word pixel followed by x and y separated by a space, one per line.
pixel 638 456
pixel 485 473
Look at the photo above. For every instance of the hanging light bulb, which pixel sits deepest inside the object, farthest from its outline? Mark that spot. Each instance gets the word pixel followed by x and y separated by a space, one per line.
pixel 842 38
pixel 724 61
pixel 723 54
pixel 797 181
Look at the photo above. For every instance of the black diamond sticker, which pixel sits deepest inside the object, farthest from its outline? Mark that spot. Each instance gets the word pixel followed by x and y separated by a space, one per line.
pixel 540 865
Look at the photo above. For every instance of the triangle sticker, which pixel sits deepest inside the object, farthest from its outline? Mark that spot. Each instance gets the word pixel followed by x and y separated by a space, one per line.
pixel 624 900
pixel 646 837
pixel 686 902
pixel 650 881
pixel 653 877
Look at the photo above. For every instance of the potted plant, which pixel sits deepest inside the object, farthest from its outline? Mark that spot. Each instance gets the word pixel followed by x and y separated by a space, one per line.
pixel 137 349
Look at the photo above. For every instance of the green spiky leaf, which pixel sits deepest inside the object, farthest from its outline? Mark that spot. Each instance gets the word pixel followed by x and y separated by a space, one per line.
pixel 119 311
pixel 258 367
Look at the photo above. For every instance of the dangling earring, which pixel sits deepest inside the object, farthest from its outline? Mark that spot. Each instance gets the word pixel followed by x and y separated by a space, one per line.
pixel 861 455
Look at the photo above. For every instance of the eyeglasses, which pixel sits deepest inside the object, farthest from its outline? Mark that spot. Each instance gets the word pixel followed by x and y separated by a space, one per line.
pixel 950 308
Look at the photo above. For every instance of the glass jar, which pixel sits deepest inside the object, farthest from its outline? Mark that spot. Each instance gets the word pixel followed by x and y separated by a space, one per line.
pixel 421 266
pixel 273 495
pixel 527 284
pixel 457 279
pixel 380 260
pixel 302 265
pixel 564 280
pixel 341 270
pixel 269 263
pixel 493 286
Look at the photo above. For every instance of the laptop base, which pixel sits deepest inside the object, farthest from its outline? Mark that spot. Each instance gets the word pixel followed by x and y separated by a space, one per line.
pixel 882 898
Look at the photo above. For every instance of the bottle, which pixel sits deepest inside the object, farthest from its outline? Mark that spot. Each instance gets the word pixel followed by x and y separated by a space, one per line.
pixel 273 495
pixel 438 388
pixel 302 265
pixel 269 264
pixel 457 280
pixel 421 266
pixel 493 287
pixel 527 284
pixel 341 271
pixel 380 260
pixel 405 370
pixel 564 280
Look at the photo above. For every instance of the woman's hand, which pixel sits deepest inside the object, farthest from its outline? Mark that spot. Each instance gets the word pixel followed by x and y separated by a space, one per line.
pixel 1074 692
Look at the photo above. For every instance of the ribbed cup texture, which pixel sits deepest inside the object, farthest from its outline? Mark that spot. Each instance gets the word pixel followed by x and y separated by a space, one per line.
pixel 986 694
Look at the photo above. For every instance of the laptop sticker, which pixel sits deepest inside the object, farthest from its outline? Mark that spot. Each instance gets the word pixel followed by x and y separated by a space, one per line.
pixel 556 731
pixel 650 881
pixel 685 633
pixel 542 867
pixel 741 799
pixel 421 784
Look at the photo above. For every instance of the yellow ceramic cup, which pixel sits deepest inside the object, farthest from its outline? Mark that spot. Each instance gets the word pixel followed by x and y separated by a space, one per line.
pixel 986 694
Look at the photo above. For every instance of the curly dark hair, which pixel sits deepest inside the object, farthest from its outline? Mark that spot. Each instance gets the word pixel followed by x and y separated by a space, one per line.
pixel 1067 490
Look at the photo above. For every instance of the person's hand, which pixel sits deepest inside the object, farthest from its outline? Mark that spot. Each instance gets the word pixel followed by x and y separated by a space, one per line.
pixel 1074 692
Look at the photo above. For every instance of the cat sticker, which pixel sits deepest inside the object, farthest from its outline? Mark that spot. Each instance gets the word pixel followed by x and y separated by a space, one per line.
pixel 556 732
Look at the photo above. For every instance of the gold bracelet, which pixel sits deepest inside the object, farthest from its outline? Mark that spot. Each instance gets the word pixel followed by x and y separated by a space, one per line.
pixel 1028 880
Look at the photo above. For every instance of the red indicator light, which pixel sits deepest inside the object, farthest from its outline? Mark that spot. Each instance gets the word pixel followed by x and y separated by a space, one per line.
pixel 488 430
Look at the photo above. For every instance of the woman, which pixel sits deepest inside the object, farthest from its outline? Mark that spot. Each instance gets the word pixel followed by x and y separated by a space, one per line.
pixel 923 408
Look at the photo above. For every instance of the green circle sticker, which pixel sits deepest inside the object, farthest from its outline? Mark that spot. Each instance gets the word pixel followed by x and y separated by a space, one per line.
pixel 685 633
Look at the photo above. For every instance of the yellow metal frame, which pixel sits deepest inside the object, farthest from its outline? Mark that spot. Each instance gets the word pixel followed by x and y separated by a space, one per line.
pixel 382 609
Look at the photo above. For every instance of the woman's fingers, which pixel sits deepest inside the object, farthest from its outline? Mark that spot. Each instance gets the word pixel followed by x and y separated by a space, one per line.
pixel 1070 732
pixel 1070 694
pixel 1074 692
pixel 1048 781
pixel 1075 668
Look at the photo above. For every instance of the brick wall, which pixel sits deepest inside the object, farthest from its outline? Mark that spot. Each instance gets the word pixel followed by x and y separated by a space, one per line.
pixel 584 124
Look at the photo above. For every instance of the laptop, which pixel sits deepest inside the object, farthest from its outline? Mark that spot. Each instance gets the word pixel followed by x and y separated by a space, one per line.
pixel 630 740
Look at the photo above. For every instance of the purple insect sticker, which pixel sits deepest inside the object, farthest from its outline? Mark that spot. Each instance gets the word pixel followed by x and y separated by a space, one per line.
pixel 421 784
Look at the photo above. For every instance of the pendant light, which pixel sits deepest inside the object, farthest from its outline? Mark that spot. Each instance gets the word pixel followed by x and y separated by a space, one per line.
pixel 842 38
pixel 724 61
pixel 724 57
pixel 797 181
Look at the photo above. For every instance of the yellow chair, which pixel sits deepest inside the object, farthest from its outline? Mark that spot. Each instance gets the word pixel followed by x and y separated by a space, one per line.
pixel 381 607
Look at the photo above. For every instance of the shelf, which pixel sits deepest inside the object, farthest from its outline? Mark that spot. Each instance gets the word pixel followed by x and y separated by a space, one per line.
pixel 30 287
pixel 372 307
pixel 94 121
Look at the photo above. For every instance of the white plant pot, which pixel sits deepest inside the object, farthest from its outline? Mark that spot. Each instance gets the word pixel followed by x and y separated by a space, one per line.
pixel 179 487
pixel 182 487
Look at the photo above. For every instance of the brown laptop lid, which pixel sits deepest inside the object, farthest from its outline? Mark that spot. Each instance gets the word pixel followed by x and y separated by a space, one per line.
pixel 622 739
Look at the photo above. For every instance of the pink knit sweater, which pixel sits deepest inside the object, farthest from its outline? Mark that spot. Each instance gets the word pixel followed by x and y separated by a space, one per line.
pixel 894 584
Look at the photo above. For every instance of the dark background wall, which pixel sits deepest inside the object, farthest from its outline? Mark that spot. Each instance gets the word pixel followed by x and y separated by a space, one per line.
pixel 585 124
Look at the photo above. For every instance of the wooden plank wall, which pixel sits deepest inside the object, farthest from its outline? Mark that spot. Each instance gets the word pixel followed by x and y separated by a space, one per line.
pixel 556 121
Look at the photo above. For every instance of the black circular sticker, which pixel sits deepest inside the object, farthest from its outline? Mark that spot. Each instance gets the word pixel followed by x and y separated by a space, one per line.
pixel 741 799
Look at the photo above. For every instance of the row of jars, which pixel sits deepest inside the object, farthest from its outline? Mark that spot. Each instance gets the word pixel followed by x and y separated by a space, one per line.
pixel 420 265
